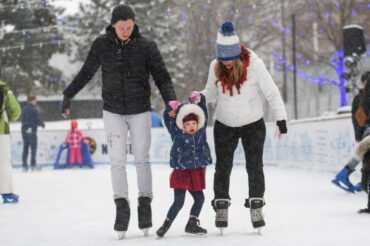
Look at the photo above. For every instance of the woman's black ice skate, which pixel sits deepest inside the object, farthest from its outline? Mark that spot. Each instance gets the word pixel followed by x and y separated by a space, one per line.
pixel 193 227
pixel 257 219
pixel 122 217
pixel 221 207
pixel 164 228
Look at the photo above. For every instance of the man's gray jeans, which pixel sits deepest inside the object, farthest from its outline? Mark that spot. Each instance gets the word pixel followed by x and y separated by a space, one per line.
pixel 116 130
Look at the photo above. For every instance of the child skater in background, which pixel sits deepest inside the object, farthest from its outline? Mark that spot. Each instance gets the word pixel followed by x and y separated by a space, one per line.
pixel 74 139
pixel 190 154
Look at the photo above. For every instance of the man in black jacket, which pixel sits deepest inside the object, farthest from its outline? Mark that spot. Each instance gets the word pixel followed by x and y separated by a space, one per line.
pixel 127 59
pixel 361 99
pixel 31 120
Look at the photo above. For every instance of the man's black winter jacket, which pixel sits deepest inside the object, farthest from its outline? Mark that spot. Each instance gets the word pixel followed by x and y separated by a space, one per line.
pixel 361 99
pixel 126 67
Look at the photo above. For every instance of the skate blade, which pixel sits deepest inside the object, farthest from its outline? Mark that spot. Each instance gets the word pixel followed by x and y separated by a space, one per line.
pixel 338 184
pixel 259 231
pixel 12 202
pixel 196 234
pixel 364 211
pixel 145 231
pixel 222 231
pixel 121 235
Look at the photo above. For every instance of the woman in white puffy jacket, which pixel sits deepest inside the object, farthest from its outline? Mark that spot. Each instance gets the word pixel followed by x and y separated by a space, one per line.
pixel 235 81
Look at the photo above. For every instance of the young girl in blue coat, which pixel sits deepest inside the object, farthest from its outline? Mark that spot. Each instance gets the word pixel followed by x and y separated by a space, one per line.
pixel 189 156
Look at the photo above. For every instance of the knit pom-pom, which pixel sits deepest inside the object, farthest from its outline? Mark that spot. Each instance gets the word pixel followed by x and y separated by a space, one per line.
pixel 227 27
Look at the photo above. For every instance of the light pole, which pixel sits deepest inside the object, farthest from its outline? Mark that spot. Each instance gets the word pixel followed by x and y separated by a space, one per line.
pixel 294 67
pixel 283 41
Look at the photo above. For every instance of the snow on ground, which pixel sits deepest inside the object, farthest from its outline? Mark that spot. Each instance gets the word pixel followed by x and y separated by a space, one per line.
pixel 75 207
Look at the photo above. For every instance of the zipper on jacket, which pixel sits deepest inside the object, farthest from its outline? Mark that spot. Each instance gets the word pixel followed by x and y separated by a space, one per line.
pixel 178 158
pixel 194 152
pixel 129 58
pixel 121 45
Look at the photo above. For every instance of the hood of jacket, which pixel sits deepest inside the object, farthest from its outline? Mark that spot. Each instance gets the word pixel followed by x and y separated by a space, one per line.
pixel 2 84
pixel 186 109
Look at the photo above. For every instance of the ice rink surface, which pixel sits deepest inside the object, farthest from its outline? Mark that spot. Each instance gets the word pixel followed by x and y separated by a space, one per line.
pixel 75 207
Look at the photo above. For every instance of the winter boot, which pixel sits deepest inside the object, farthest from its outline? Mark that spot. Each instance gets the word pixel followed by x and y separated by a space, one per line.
pixel 221 207
pixel 364 211
pixel 358 187
pixel 10 198
pixel 164 228
pixel 365 180
pixel 122 217
pixel 144 211
pixel 255 205
pixel 342 179
pixel 193 227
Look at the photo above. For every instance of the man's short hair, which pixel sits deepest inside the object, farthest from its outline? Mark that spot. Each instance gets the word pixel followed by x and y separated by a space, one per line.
pixel 31 98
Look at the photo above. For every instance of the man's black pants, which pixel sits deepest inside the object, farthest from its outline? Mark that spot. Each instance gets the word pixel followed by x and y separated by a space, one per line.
pixel 29 141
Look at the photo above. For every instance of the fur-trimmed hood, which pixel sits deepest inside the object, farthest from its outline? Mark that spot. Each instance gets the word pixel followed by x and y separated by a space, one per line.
pixel 362 148
pixel 186 109
pixel 188 151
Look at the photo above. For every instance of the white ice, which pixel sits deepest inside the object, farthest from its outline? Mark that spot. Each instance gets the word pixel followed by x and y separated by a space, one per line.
pixel 75 207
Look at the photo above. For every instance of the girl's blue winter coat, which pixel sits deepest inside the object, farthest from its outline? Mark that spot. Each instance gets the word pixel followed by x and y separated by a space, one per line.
pixel 189 151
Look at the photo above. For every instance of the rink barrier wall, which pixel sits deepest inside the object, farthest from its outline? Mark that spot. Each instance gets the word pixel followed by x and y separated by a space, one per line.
pixel 323 144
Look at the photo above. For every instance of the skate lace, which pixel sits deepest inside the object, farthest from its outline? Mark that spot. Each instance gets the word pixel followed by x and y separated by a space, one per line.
pixel 166 225
pixel 256 214
pixel 221 214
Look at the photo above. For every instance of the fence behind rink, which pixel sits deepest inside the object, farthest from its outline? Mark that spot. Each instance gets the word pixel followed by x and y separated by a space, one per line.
pixel 323 143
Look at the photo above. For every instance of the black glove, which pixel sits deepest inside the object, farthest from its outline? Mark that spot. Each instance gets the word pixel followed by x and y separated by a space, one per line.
pixel 282 126
pixel 66 104
pixel 365 179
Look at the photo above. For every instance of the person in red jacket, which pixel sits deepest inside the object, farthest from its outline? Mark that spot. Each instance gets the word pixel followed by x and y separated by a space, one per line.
pixel 74 139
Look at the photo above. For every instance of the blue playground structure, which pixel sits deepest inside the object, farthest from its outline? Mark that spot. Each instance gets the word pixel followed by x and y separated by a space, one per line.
pixel 62 160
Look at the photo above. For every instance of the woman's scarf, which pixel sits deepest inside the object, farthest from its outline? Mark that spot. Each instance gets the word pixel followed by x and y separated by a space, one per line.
pixel 228 84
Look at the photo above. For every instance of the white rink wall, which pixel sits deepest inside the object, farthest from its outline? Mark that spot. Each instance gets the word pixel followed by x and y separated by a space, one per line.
pixel 323 143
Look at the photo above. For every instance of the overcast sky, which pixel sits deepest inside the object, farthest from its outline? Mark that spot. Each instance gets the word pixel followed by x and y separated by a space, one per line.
pixel 71 6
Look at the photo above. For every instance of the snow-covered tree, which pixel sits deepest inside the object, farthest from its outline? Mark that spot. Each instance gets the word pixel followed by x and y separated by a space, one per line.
pixel 29 36
pixel 319 39
pixel 157 20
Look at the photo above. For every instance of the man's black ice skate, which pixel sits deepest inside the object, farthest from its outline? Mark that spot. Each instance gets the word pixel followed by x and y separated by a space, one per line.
pixel 221 207
pixel 144 211
pixel 364 211
pixel 257 219
pixel 122 217
pixel 164 228
pixel 193 227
